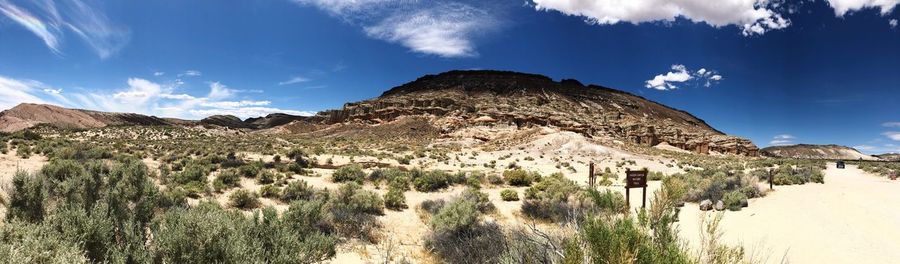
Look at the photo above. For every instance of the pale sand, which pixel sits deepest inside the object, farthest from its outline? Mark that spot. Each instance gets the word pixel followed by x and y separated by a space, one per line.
pixel 853 218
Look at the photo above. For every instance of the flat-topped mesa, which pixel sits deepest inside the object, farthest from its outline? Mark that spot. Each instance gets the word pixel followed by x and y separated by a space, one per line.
pixel 464 98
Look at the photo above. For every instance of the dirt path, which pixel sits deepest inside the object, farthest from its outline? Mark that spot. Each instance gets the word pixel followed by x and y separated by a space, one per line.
pixel 853 218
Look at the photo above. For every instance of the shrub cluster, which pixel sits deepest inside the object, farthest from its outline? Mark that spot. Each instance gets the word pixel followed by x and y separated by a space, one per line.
pixel 519 177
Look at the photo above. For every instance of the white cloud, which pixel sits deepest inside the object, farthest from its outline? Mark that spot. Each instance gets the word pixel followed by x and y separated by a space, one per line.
pixel 753 17
pixel 141 96
pixel 190 73
pixel 159 73
pixel 443 28
pixel 842 7
pixel 784 136
pixel 893 23
pixel 893 135
pixel 294 80
pixel 865 147
pixel 219 91
pixel 48 21
pixel 891 124
pixel 678 75
pixel 781 140
pixel 14 92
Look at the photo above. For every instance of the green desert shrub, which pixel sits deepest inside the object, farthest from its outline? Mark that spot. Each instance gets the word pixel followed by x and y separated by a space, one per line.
pixel 429 181
pixel 270 191
pixel 519 177
pixel 458 236
pixel 480 199
pixel 266 177
pixel 209 234
pixel 554 198
pixel 734 200
pixel 297 190
pixel 509 195
pixel 22 242
pixel 251 170
pixel 228 178
pixel 394 199
pixel 26 199
pixel 349 173
pixel 243 199
pixel 352 211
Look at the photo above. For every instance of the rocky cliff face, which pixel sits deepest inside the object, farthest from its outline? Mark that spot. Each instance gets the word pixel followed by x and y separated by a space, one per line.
pixel 807 151
pixel 465 98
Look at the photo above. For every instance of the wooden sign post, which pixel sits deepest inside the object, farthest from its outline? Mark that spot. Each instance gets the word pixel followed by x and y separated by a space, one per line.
pixel 771 179
pixel 591 177
pixel 636 179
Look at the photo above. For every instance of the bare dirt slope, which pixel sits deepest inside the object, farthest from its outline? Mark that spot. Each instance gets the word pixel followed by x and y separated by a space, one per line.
pixel 852 218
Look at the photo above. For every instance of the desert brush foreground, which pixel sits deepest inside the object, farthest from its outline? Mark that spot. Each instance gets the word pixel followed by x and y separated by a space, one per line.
pixel 462 167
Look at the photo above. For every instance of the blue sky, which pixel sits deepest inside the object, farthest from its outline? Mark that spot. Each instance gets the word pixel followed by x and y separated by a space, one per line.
pixel 777 72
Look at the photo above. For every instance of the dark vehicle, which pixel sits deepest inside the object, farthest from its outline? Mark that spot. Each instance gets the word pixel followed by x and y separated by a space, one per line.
pixel 840 164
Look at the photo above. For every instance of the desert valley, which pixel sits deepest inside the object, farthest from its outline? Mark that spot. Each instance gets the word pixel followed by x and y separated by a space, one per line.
pixel 450 131
pixel 457 167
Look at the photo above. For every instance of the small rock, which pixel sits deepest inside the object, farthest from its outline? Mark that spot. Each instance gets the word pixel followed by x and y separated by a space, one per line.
pixel 720 206
pixel 745 202
pixel 679 204
pixel 706 205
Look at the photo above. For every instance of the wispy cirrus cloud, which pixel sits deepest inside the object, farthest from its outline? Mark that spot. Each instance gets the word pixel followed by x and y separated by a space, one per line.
pixel 893 135
pixel 50 20
pixel 294 80
pixel 442 28
pixel 781 140
pixel 680 75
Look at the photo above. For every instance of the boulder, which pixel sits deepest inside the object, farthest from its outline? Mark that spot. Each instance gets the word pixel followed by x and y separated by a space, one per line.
pixel 745 202
pixel 720 205
pixel 706 205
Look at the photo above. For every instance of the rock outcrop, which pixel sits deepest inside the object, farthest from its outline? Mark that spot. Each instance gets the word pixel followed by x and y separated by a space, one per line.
pixel 807 151
pixel 466 98
pixel 229 121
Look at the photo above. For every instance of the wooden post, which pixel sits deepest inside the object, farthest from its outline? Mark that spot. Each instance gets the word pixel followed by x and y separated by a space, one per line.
pixel 644 198
pixel 591 179
pixel 628 198
pixel 771 179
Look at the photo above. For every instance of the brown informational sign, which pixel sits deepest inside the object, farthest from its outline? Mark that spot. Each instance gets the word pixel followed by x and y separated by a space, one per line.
pixel 635 179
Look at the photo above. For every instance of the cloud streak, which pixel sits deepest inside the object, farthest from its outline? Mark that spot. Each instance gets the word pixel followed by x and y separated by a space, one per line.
pixel 49 21
pixel 442 28
pixel 782 140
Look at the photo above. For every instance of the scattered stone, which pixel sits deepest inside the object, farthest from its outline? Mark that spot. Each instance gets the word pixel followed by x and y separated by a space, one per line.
pixel 706 205
pixel 745 202
pixel 720 205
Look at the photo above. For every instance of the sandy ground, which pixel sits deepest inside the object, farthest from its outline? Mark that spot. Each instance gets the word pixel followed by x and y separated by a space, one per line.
pixel 852 218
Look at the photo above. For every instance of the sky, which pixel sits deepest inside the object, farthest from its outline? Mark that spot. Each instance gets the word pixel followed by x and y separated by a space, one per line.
pixel 776 72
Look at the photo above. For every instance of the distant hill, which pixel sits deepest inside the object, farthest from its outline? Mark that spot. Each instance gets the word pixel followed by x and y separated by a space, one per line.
pixel 28 115
pixel 452 101
pixel 889 156
pixel 807 151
